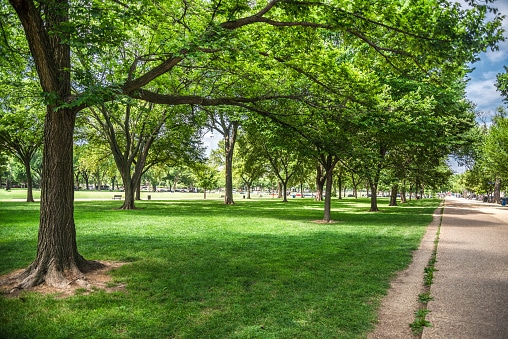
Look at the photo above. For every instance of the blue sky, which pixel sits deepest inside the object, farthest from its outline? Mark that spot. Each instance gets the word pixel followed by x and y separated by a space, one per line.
pixel 481 88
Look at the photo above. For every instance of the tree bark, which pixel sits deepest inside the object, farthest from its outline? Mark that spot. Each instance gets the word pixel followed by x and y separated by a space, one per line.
pixel 328 164
pixel 373 196
pixel 320 182
pixel 57 262
pixel 403 193
pixel 497 191
pixel 249 186
pixel 129 189
pixel 374 181
pixel 283 186
pixel 393 195
pixel 355 186
pixel 327 215
pixel 29 180
pixel 339 182
pixel 229 147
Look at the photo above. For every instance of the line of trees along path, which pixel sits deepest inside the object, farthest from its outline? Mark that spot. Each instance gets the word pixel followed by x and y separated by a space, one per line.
pixel 210 53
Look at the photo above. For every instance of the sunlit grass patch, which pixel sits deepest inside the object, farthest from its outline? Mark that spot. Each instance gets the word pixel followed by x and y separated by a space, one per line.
pixel 200 269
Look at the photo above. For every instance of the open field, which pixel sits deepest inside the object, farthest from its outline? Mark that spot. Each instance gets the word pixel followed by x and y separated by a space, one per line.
pixel 200 269
pixel 17 194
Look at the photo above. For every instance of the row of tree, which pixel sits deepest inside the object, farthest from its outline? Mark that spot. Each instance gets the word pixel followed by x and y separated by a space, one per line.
pixel 257 162
pixel 376 86
pixel 486 154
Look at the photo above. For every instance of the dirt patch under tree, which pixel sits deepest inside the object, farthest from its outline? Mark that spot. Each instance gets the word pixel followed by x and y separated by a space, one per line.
pixel 98 279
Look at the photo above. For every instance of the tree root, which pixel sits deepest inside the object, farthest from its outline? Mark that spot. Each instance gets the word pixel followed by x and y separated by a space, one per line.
pixel 53 277
pixel 93 276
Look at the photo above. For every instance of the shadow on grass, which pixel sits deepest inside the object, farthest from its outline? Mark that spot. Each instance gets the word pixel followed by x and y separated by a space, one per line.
pixel 312 285
pixel 258 269
pixel 343 211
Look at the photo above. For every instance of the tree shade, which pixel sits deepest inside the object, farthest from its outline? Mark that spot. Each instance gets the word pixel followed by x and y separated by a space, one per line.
pixel 194 55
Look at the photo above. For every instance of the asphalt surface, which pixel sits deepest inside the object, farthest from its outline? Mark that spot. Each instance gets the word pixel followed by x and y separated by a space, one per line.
pixel 470 286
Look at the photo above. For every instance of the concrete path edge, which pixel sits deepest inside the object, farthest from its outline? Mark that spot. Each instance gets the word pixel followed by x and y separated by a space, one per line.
pixel 398 307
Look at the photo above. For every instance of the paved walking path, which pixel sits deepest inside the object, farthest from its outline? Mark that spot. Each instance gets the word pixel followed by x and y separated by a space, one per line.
pixel 470 288
pixel 398 308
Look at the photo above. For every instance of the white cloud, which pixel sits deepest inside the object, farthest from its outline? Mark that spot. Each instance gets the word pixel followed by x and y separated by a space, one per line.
pixel 210 141
pixel 481 88
pixel 484 94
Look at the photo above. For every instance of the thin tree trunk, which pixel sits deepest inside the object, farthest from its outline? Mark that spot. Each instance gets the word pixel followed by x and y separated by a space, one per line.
pixel 393 195
pixel 228 194
pixel 137 191
pixel 327 215
pixel 497 191
pixel 87 181
pixel 339 180
pixel 373 196
pixel 229 147
pixel 320 181
pixel 284 188
pixel 29 180
pixel 248 190
pixel 76 177
pixel 328 165
pixel 403 199
pixel 355 186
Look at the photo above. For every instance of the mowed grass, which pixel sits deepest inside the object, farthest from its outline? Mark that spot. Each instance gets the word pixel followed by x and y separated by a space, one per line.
pixel 19 194
pixel 200 269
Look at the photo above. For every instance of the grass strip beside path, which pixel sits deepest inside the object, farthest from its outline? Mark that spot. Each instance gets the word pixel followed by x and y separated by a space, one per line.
pixel 201 269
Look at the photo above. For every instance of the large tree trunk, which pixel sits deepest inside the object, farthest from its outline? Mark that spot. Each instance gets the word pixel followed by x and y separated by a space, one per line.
pixel 57 262
pixel 130 189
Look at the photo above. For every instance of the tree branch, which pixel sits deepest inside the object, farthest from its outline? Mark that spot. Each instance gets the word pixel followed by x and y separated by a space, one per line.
pixel 157 98
pixel 132 85
pixel 38 41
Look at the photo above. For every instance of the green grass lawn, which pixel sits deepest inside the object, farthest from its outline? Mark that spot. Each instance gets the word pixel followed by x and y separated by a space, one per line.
pixel 20 194
pixel 200 269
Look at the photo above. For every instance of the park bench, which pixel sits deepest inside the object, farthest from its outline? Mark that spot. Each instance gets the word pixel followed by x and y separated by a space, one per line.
pixel 117 196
